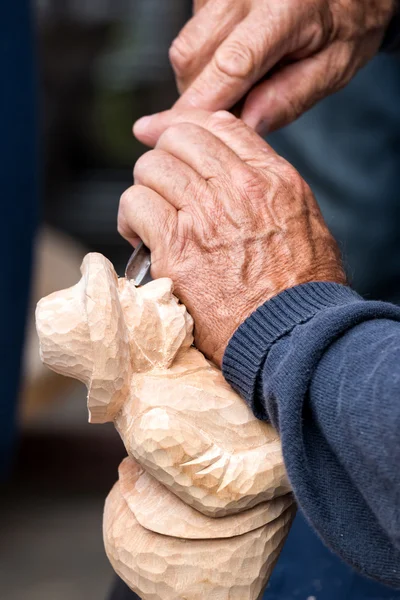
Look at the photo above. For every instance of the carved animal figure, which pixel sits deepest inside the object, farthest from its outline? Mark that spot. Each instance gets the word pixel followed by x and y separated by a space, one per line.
pixel 202 504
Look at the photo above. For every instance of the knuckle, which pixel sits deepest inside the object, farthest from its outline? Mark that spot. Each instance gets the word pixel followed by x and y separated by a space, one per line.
pixel 296 183
pixel 177 131
pixel 167 137
pixel 143 163
pixel 286 171
pixel 293 106
pixel 124 202
pixel 192 189
pixel 130 197
pixel 222 119
pixel 235 59
pixel 316 35
pixel 318 27
pixel 122 226
pixel 252 183
pixel 290 173
pixel 181 55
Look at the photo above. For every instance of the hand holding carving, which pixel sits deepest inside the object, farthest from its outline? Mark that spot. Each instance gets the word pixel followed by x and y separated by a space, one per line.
pixel 231 222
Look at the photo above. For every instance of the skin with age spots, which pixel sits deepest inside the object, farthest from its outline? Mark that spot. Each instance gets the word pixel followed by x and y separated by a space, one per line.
pixel 308 49
pixel 227 219
pixel 285 56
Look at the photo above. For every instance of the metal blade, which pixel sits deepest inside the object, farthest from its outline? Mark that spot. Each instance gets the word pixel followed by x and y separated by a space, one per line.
pixel 139 264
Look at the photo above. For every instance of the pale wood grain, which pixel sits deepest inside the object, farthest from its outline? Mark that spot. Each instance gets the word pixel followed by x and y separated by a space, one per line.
pixel 203 503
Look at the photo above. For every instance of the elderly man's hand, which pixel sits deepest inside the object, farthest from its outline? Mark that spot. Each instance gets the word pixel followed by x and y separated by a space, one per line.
pixel 228 220
pixel 307 48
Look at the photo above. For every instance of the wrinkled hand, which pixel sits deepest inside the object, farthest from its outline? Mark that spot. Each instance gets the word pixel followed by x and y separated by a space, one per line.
pixel 228 220
pixel 308 48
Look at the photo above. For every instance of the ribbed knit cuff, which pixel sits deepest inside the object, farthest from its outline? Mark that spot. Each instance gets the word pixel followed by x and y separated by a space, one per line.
pixel 250 344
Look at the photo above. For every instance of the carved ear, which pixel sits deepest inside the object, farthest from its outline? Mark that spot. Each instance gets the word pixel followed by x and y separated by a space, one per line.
pixel 109 384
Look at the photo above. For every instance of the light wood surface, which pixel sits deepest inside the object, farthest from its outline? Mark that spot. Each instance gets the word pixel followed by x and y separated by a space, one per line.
pixel 203 504
pixel 162 567
pixel 148 499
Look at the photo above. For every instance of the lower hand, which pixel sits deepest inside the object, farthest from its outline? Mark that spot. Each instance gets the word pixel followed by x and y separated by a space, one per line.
pixel 227 219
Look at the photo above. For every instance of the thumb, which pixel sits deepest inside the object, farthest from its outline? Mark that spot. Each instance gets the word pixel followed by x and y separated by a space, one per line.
pixel 148 129
pixel 293 90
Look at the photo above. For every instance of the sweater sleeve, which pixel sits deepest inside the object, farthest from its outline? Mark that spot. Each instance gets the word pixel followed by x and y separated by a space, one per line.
pixel 323 365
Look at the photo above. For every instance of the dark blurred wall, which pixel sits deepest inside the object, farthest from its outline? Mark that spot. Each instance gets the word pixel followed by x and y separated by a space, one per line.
pixel 103 65
pixel 18 176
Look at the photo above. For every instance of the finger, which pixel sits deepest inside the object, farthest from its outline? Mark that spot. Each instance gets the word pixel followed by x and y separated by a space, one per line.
pixel 232 131
pixel 171 178
pixel 143 214
pixel 245 142
pixel 201 36
pixel 201 150
pixel 294 89
pixel 241 60
pixel 148 129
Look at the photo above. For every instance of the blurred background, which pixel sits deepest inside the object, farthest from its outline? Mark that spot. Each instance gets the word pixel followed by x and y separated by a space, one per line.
pixel 100 65
pixel 74 76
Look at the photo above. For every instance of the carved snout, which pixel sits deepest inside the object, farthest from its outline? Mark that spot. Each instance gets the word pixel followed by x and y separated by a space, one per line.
pixel 64 333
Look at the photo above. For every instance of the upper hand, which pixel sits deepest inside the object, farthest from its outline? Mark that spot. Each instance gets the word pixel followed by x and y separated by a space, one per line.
pixel 228 220
pixel 308 48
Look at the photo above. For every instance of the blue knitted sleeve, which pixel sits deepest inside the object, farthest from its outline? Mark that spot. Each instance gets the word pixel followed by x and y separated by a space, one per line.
pixel 323 365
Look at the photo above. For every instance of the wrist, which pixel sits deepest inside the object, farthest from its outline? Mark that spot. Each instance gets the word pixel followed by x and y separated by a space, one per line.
pixel 249 346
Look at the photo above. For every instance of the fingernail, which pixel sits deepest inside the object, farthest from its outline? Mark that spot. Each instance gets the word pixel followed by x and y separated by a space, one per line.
pixel 142 124
pixel 262 127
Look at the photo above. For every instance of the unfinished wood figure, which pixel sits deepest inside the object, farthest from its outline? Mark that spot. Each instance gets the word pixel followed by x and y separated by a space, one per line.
pixel 203 504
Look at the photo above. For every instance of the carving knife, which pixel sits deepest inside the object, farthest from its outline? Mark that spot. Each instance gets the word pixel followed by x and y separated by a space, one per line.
pixel 138 265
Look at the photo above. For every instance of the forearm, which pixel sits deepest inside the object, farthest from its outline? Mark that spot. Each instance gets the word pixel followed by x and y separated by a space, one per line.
pixel 321 364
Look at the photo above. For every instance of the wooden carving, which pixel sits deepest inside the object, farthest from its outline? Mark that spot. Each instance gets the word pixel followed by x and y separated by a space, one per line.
pixel 203 504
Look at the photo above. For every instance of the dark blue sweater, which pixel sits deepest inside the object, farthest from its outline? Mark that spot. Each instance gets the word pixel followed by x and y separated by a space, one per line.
pixel 324 366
